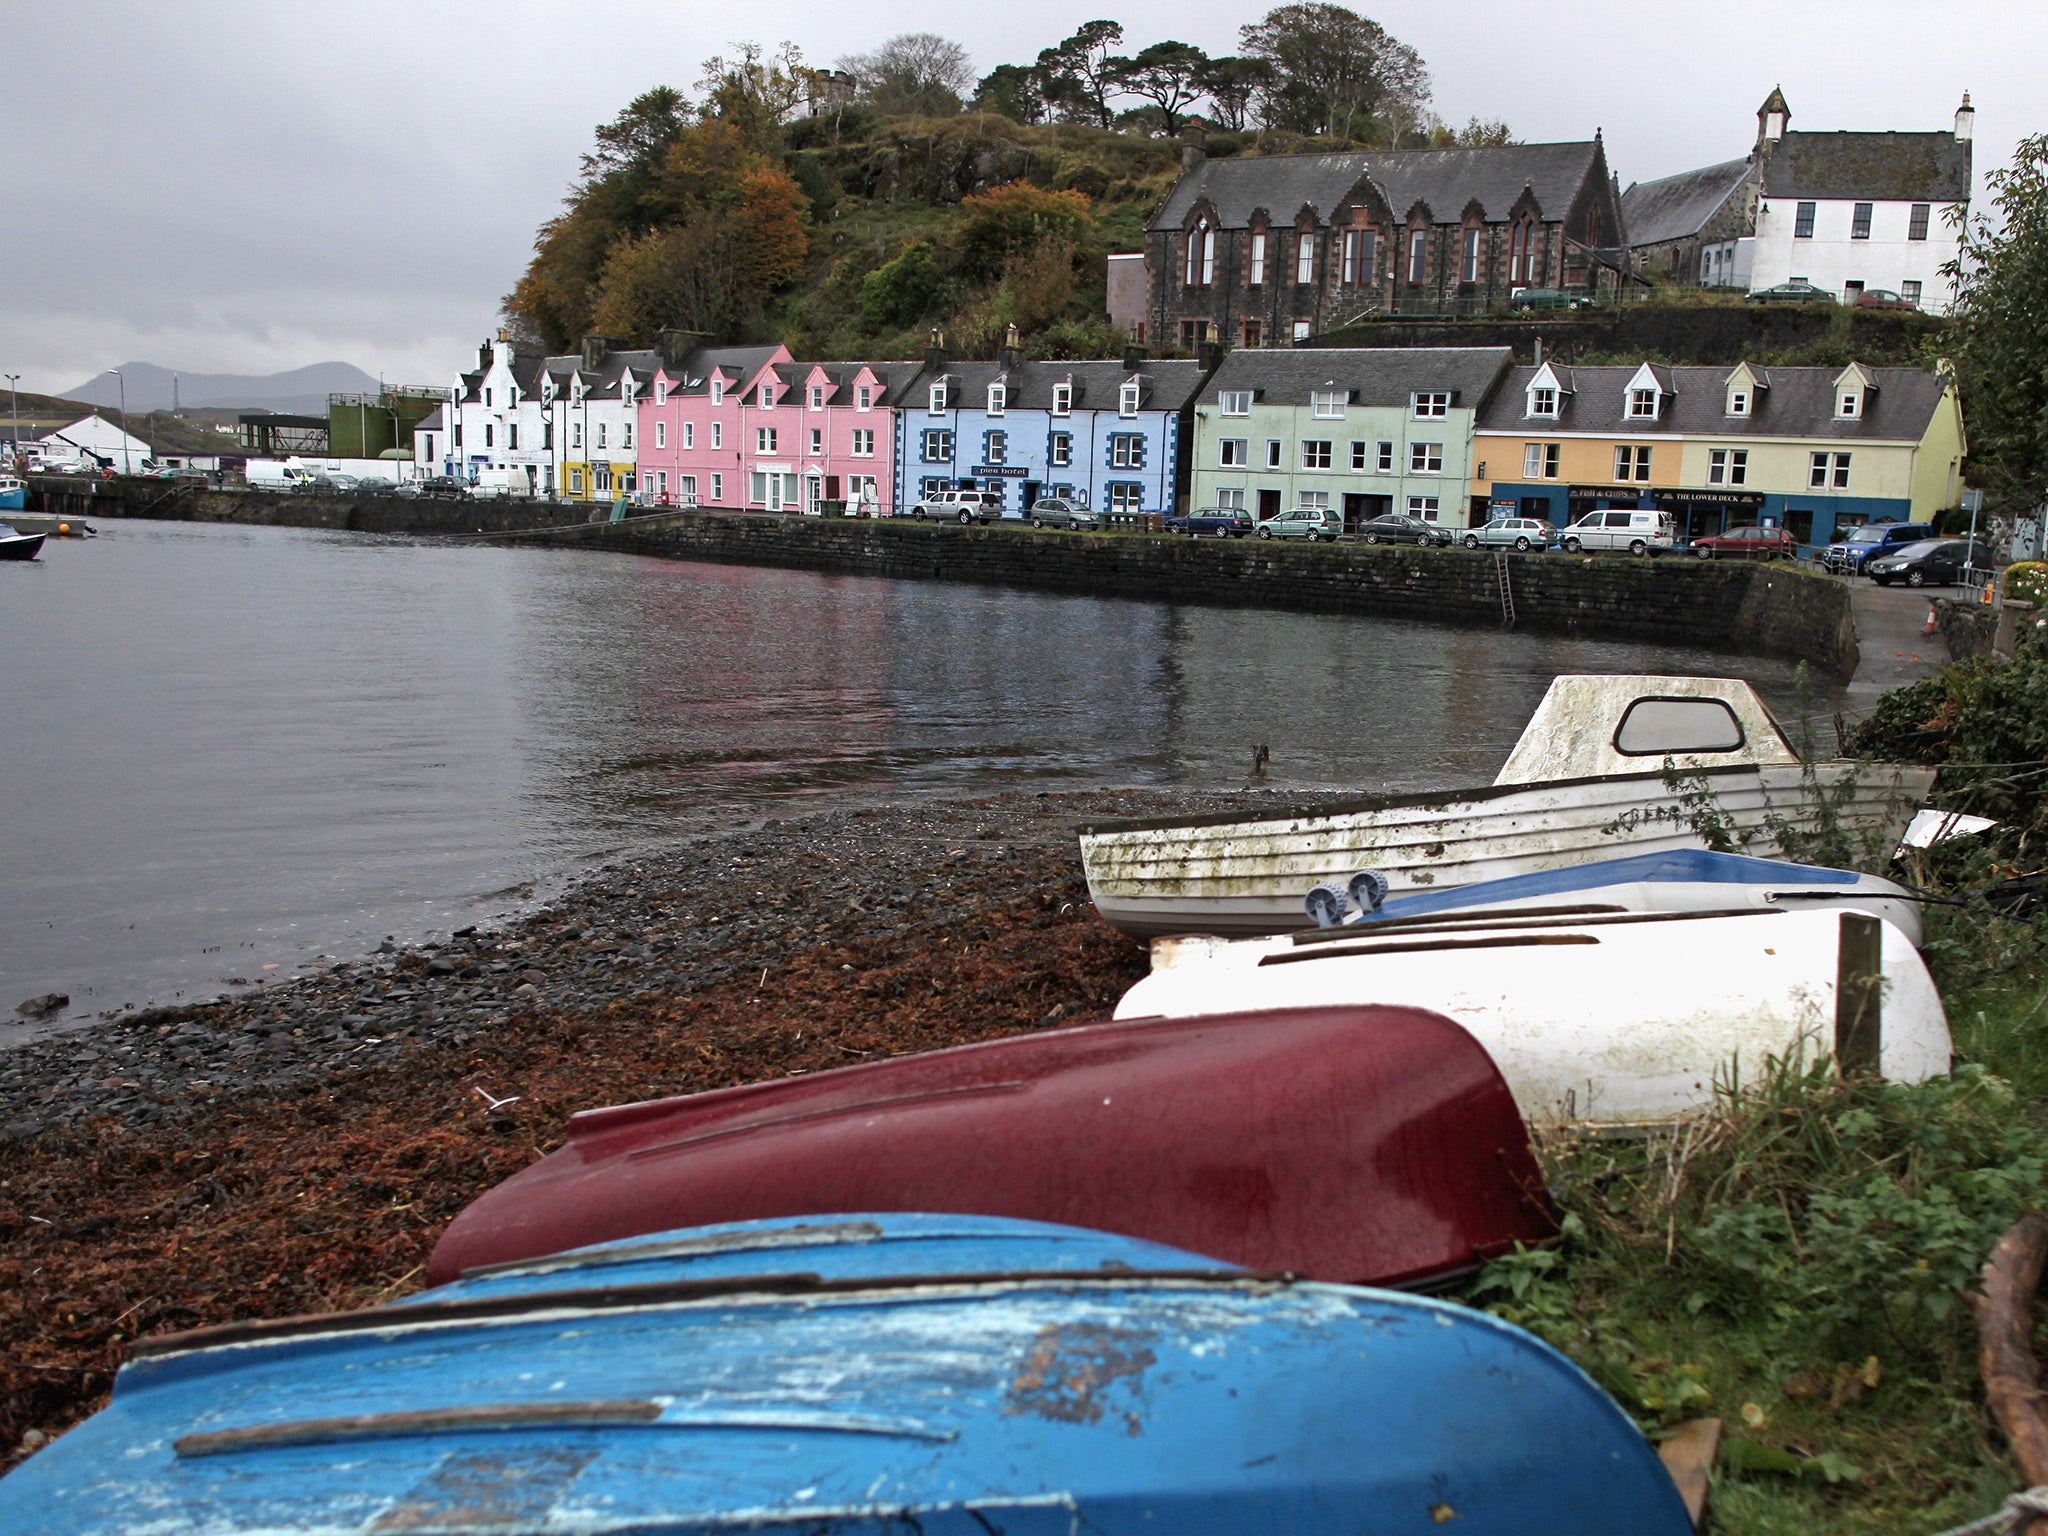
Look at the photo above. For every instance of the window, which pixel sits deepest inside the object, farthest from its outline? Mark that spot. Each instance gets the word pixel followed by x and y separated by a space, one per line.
pixel 661 483
pixel 1305 258
pixel 1522 254
pixel 661 434
pixel 817 440
pixel 998 395
pixel 689 434
pixel 1429 407
pixel 601 478
pixel 1631 462
pixel 1254 333
pixel 1425 458
pixel 1916 222
pixel 864 397
pixel 1201 263
pixel 1235 402
pixel 686 490
pixel 1660 727
pixel 1273 446
pixel 863 443
pixel 1208 257
pixel 1350 268
pixel 766 396
pixel 1063 399
pixel 1728 466
pixel 938 401
pixel 1124 496
pixel 1642 402
pixel 600 433
pixel 937 447
pixel 1540 460
pixel 995 447
pixel 717 490
pixel 661 391
pixel 1193 332
pixel 764 439
pixel 717 398
pixel 1859 222
pixel 1360 457
pixel 1317 499
pixel 487 434
pixel 1424 507
pixel 1301 330
pixel 1258 273
pixel 1126 450
pixel 575 435
pixel 1234 453
pixel 427 447
pixel 576 481
pixel 1418 255
pixel 1738 402
pixel 1543 401
pixel 1231 498
pixel 1828 471
pixel 1060 451
pixel 1384 459
pixel 1327 404
pixel 1848 405
pixel 718 434
pixel 1802 222
pixel 1910 292
pixel 1368 253
pixel 1468 272
pixel 817 397
pixel 1127 398
pixel 930 486
pixel 1315 453
pixel 625 436
pixel 487 395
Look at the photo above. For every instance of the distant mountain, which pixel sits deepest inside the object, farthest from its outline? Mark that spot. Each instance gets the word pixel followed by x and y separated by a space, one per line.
pixel 302 391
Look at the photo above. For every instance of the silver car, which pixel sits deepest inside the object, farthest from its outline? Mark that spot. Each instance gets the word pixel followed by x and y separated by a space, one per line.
pixel 1523 533
pixel 1058 512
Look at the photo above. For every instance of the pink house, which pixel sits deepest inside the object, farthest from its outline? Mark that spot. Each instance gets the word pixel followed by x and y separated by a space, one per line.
pixel 749 427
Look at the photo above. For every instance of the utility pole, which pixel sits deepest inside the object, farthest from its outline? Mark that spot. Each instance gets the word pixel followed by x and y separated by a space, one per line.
pixel 126 466
pixel 14 402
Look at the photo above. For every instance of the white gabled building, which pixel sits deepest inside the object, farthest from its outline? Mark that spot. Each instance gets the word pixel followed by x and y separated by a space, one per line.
pixel 96 441
pixel 1850 212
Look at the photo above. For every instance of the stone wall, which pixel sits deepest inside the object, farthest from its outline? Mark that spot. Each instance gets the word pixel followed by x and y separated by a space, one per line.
pixel 1773 610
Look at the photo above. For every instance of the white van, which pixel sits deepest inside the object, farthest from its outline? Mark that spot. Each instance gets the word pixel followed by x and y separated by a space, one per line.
pixel 1633 529
pixel 279 475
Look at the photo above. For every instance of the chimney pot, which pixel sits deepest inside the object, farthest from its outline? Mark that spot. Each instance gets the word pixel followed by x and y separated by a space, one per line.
pixel 1966 120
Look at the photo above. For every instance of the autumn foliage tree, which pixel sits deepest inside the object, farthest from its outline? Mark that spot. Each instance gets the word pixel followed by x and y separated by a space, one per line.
pixel 1013 220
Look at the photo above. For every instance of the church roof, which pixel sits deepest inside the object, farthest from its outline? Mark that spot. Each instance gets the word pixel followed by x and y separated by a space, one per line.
pixel 1673 207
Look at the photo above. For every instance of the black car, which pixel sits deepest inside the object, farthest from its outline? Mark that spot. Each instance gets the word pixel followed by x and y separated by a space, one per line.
pixel 1400 528
pixel 1797 291
pixel 448 486
pixel 1058 512
pixel 1930 563
pixel 1212 522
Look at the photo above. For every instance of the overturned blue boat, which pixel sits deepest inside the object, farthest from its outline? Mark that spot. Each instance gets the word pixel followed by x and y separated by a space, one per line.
pixel 871 1374
pixel 1692 880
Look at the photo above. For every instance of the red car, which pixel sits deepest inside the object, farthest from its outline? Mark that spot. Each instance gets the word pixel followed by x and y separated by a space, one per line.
pixel 1747 544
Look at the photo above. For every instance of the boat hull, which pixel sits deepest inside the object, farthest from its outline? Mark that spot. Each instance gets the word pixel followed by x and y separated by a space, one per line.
pixel 49 523
pixel 1157 1392
pixel 1248 877
pixel 21 547
pixel 1623 1020
pixel 1369 1145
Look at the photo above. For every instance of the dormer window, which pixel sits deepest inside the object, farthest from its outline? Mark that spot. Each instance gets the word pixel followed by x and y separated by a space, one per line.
pixel 997 394
pixel 1063 399
pixel 817 397
pixel 1848 405
pixel 1642 403
pixel 1127 399
pixel 1429 407
pixel 717 392
pixel 1543 401
pixel 938 403
pixel 767 396
pixel 1738 402
pixel 1235 402
pixel 661 391
pixel 864 397
pixel 1327 403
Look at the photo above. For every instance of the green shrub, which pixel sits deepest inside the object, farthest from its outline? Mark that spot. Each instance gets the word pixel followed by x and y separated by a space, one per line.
pixel 2027 580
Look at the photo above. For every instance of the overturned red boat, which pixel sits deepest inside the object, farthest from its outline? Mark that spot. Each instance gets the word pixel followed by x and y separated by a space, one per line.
pixel 1369 1145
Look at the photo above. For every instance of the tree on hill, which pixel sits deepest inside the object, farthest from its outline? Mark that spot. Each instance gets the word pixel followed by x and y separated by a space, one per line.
pixel 917 74
pixel 1013 220
pixel 1080 74
pixel 756 93
pixel 1015 91
pixel 2001 344
pixel 1334 72
pixel 1232 84
pixel 1169 75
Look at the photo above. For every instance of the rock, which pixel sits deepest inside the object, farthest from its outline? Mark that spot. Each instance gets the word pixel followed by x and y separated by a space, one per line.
pixel 42 1007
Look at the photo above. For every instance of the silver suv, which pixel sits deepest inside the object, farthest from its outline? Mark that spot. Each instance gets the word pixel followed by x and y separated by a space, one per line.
pixel 959 507
pixel 1523 533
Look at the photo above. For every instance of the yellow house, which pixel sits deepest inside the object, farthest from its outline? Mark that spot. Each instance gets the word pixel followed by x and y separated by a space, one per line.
pixel 1812 450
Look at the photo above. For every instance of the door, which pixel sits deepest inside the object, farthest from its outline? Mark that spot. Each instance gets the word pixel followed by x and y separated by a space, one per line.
pixel 814 492
pixel 1354 511
pixel 1269 504
pixel 1031 490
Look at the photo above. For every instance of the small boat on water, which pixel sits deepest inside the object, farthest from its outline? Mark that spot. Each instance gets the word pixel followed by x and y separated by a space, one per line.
pixel 1608 766
pixel 13 493
pixel 1622 1019
pixel 48 523
pixel 1371 1145
pixel 852 1376
pixel 1679 880
pixel 20 546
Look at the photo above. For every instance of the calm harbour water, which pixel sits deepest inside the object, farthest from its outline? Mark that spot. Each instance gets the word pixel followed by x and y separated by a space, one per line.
pixel 228 751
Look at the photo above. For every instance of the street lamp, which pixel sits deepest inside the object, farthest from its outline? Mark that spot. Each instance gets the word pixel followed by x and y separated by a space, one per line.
pixel 14 403
pixel 126 466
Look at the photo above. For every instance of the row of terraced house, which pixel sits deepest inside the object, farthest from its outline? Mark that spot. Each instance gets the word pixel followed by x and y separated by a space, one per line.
pixel 1453 436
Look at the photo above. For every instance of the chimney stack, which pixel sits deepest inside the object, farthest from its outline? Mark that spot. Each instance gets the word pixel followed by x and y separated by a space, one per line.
pixel 677 345
pixel 935 353
pixel 1539 351
pixel 594 349
pixel 1966 120
pixel 1011 357
pixel 1134 359
pixel 1192 156
pixel 1209 356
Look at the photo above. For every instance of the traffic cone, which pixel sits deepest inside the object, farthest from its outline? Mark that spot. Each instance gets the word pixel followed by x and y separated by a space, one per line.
pixel 1929 627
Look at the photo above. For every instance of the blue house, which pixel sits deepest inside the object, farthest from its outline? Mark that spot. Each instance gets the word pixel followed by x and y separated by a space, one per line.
pixel 1107 435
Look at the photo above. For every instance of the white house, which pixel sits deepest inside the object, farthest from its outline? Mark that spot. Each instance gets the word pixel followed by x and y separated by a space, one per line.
pixel 1849 212
pixel 98 441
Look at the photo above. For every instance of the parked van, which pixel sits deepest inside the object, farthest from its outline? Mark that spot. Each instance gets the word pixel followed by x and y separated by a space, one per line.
pixel 1637 531
pixel 960 506
pixel 279 475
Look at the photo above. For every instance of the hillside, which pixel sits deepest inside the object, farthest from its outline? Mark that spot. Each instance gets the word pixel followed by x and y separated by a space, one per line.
pixel 150 387
pixel 164 432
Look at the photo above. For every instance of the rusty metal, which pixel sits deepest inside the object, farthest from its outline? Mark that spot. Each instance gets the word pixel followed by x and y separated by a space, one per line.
pixel 1070 1368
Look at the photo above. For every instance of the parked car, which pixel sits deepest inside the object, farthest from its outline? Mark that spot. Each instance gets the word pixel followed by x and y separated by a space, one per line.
pixel 1930 563
pixel 1638 530
pixel 1883 298
pixel 1747 543
pixel 1400 528
pixel 1302 523
pixel 447 487
pixel 1793 293
pixel 1058 512
pixel 1547 298
pixel 958 507
pixel 1212 522
pixel 374 485
pixel 1847 556
pixel 1522 533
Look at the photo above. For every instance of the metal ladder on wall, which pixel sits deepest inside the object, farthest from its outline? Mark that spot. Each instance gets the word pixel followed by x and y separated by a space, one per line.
pixel 1507 593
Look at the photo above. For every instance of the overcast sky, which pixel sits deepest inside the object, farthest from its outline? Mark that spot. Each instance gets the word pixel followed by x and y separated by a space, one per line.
pixel 221 186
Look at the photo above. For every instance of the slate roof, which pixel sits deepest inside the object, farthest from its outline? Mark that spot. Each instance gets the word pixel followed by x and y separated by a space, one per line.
pixel 1445 179
pixel 603 380
pixel 1376 376
pixel 1674 207
pixel 1878 167
pixel 741 363
pixel 1793 402
pixel 1170 383
pixel 437 421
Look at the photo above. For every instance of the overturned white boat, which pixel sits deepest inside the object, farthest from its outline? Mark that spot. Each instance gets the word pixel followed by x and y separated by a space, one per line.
pixel 1608 766
pixel 1619 1019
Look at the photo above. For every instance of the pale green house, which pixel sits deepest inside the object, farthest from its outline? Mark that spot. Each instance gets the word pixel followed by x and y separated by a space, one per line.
pixel 1358 430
